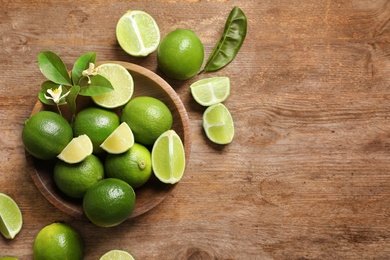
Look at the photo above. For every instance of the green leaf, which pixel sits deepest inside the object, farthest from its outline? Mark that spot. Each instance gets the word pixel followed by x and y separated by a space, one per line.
pixel 82 64
pixel 53 68
pixel 72 98
pixel 49 85
pixel 230 42
pixel 99 85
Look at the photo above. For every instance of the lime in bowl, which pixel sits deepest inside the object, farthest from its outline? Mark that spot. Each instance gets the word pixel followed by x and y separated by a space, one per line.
pixel 153 192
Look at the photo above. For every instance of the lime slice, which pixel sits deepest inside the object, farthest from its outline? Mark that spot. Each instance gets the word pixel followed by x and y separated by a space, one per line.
pixel 10 217
pixel 119 141
pixel 137 33
pixel 116 255
pixel 210 91
pixel 77 150
pixel 168 157
pixel 218 124
pixel 122 83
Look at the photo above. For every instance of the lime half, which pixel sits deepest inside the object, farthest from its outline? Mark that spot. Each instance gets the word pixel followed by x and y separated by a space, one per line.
pixel 168 157
pixel 10 217
pixel 77 150
pixel 137 33
pixel 122 82
pixel 218 124
pixel 116 255
pixel 210 91
pixel 119 141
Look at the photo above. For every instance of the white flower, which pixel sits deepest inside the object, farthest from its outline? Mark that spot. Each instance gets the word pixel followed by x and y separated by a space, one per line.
pixel 91 71
pixel 55 94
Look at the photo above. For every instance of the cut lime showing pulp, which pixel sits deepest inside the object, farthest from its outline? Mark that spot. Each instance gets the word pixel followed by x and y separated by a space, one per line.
pixel 168 157
pixel 137 33
pixel 116 255
pixel 10 217
pixel 119 141
pixel 122 82
pixel 77 150
pixel 218 124
pixel 210 91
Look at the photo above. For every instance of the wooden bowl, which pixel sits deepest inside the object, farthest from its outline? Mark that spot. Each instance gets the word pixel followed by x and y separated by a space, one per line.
pixel 146 83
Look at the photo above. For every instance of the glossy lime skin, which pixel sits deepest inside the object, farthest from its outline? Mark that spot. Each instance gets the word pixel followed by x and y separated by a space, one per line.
pixel 109 202
pixel 180 54
pixel 45 134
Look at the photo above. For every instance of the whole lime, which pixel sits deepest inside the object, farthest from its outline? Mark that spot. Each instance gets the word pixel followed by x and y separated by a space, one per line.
pixel 147 117
pixel 58 241
pixel 109 202
pixel 133 166
pixel 180 54
pixel 45 134
pixel 75 179
pixel 97 123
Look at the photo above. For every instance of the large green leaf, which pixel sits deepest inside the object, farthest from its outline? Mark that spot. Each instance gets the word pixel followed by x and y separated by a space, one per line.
pixel 82 64
pixel 53 68
pixel 99 85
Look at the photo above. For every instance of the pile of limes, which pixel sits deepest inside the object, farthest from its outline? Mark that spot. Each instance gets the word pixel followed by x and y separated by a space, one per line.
pixel 103 155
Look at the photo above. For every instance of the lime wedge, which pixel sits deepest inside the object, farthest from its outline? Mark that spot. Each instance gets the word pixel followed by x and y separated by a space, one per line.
pixel 210 91
pixel 122 82
pixel 168 157
pixel 137 33
pixel 77 150
pixel 119 141
pixel 218 124
pixel 116 255
pixel 10 217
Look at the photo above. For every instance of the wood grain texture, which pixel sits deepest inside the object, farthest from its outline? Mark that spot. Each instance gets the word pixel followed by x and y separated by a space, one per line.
pixel 307 174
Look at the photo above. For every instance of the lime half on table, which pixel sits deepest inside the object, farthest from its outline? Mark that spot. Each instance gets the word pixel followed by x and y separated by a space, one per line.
pixel 10 217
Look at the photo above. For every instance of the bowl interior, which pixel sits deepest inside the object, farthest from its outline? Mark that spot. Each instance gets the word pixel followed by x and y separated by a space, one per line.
pixel 146 83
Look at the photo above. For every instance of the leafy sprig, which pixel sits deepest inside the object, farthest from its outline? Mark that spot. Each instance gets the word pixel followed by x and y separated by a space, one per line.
pixel 63 87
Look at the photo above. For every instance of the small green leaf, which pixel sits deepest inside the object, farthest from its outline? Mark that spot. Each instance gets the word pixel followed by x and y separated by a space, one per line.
pixel 71 99
pixel 99 85
pixel 49 85
pixel 82 64
pixel 53 68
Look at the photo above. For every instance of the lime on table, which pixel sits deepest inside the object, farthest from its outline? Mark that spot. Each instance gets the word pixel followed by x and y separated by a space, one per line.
pixel 119 141
pixel 10 217
pixel 116 255
pixel 210 91
pixel 122 82
pixel 77 150
pixel 218 124
pixel 168 157
pixel 137 33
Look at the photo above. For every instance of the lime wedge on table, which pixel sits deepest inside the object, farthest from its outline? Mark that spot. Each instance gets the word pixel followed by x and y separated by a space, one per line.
pixel 10 217
pixel 122 82
pixel 210 91
pixel 119 141
pixel 168 157
pixel 116 255
pixel 77 150
pixel 218 124
pixel 137 33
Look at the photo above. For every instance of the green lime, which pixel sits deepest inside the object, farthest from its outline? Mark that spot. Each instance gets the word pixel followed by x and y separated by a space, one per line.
pixel 8 258
pixel 147 117
pixel 75 179
pixel 122 82
pixel 109 202
pixel 97 123
pixel 45 135
pixel 120 140
pixel 116 255
pixel 11 220
pixel 137 33
pixel 210 91
pixel 58 241
pixel 218 124
pixel 77 150
pixel 133 166
pixel 168 157
pixel 180 54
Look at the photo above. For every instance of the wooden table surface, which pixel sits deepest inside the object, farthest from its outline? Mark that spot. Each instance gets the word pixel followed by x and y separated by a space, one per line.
pixel 307 174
